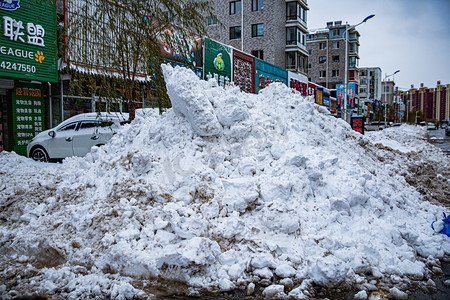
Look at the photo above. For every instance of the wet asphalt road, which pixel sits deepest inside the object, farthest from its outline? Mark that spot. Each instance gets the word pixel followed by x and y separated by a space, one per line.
pixel 438 138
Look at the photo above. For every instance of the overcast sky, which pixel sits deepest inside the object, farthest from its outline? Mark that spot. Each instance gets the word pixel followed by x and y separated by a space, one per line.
pixel 412 36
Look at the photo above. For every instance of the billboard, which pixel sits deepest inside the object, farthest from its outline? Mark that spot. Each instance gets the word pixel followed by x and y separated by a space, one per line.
pixel 217 62
pixel 298 83
pixel 357 124
pixel 244 71
pixel 28 40
pixel 267 73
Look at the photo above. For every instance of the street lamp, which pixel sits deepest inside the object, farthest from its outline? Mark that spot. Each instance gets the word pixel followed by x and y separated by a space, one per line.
pixel 384 92
pixel 346 54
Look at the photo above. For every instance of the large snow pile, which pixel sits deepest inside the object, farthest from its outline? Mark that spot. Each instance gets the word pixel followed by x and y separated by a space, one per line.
pixel 225 190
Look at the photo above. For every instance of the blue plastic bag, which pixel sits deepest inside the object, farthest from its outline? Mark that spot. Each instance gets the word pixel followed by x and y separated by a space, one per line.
pixel 444 224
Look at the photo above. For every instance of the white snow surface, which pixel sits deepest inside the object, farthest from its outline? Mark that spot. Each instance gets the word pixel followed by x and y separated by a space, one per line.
pixel 224 187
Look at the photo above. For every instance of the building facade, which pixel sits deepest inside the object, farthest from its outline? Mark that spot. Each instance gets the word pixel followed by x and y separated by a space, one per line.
pixel 370 84
pixel 272 30
pixel 326 49
pixel 432 103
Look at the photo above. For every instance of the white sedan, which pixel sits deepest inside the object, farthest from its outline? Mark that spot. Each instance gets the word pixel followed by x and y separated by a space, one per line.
pixel 75 136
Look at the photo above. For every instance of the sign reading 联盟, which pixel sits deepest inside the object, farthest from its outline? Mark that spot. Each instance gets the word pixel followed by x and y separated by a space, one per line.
pixel 28 40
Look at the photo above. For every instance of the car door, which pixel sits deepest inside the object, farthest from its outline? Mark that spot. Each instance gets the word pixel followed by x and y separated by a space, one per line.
pixel 86 137
pixel 60 146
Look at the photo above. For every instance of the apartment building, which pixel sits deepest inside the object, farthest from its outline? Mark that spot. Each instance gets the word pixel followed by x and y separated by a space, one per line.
pixel 370 84
pixel 326 49
pixel 272 30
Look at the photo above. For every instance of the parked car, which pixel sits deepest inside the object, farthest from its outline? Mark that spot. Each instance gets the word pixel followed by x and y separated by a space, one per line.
pixel 375 126
pixel 447 130
pixel 431 126
pixel 75 136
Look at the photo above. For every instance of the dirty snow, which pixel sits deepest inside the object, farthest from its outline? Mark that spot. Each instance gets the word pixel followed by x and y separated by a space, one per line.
pixel 225 191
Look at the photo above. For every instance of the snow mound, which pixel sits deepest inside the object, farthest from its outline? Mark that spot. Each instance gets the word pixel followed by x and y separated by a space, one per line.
pixel 221 191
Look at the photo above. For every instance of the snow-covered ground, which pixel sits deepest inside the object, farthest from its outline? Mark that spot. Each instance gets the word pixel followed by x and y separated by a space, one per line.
pixel 227 191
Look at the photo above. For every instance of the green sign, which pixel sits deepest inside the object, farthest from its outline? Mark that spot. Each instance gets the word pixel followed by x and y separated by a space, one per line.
pixel 28 40
pixel 27 112
pixel 217 62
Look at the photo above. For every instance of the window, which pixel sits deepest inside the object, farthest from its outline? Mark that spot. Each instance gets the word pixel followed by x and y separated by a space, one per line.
pixel 290 60
pixel 362 90
pixel 70 126
pixel 322 45
pixel 291 36
pixel 335 58
pixel 235 33
pixel 291 11
pixel 309 66
pixel 322 59
pixel 335 45
pixel 364 73
pixel 335 73
pixel 258 53
pixel 257 30
pixel 371 74
pixel 352 62
pixel 257 5
pixel 212 20
pixel 336 32
pixel 309 52
pixel 235 7
pixel 88 124
pixel 322 74
pixel 386 89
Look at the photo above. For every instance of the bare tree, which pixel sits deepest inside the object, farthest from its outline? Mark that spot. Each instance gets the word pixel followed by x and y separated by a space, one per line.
pixel 117 44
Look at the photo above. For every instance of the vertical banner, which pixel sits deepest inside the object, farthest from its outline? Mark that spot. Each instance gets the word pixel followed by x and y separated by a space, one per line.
pixel 244 71
pixel 351 90
pixel 326 99
pixel 267 73
pixel 28 40
pixel 27 115
pixel 351 93
pixel 319 96
pixel 217 62
pixel 340 95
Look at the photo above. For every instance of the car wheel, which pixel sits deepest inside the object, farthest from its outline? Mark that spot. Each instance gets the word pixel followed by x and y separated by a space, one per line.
pixel 39 154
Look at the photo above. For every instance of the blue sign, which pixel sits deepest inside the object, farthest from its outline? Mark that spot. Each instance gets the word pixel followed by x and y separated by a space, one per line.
pixel 9 4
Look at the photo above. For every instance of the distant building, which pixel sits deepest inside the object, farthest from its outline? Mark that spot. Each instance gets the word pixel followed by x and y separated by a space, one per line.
pixel 326 48
pixel 370 83
pixel 388 93
pixel 434 103
pixel 370 89
pixel 272 30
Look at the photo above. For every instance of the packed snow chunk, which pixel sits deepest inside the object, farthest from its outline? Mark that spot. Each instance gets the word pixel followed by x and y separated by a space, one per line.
pixel 274 291
pixel 231 110
pixel 239 193
pixel 395 293
pixel 187 102
pixel 201 251
pixel 329 271
pixel 284 270
pixel 361 295
pixel 262 260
